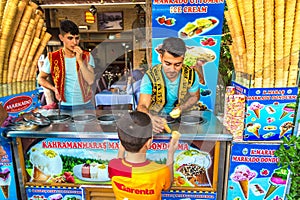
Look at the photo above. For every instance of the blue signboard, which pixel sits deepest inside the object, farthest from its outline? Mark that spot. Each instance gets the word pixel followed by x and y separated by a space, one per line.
pixel 53 193
pixel 199 24
pixel 7 175
pixel 188 195
pixel 254 173
pixel 270 112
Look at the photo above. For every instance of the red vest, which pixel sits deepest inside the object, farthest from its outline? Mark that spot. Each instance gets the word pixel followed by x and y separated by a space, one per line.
pixel 58 73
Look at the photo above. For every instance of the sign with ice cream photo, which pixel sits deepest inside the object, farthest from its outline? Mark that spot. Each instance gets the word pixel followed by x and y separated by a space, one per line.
pixel 54 193
pixel 199 24
pixel 269 113
pixel 254 173
pixel 7 175
pixel 85 161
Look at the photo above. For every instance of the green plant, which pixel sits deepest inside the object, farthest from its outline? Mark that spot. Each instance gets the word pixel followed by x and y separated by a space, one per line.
pixel 225 64
pixel 289 157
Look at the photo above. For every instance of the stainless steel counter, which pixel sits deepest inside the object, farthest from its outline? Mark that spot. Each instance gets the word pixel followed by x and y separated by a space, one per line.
pixel 211 129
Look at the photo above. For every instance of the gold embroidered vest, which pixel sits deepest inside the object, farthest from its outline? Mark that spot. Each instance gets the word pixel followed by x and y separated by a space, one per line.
pixel 159 90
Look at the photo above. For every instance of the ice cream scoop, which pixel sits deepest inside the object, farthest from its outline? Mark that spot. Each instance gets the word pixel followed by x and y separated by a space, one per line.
pixel 175 113
pixel 5 180
pixel 288 108
pixel 243 175
pixel 176 135
pixel 278 178
pixel 256 107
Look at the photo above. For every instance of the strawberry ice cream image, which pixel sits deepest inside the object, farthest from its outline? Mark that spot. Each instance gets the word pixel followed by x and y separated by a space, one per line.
pixel 279 178
pixel 5 180
pixel 256 107
pixel 243 175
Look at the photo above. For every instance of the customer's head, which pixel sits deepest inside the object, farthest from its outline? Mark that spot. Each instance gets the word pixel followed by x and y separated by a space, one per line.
pixel 134 131
pixel 67 26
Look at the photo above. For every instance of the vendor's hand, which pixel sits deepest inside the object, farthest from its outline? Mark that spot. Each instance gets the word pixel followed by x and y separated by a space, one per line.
pixel 57 95
pixel 78 53
pixel 157 123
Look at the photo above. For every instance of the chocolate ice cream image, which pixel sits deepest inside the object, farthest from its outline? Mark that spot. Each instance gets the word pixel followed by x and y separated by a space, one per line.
pixel 2 152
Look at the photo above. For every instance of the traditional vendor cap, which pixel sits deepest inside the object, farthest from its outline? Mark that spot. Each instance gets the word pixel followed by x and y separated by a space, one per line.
pixel 136 124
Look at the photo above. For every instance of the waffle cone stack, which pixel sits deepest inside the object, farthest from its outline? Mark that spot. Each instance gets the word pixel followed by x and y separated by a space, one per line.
pixel 21 31
pixel 266 41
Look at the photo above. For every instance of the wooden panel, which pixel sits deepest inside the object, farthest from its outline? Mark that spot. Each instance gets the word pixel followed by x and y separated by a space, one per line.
pixel 99 194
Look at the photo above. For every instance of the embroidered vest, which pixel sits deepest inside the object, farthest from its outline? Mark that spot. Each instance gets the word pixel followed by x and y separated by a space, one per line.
pixel 58 73
pixel 159 90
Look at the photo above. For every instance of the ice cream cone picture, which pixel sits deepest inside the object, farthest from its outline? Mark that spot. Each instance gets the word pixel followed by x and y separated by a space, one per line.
pixel 278 178
pixel 256 108
pixel 5 180
pixel 285 127
pixel 288 108
pixel 2 152
pixel 193 166
pixel 46 163
pixel 242 175
pixel 254 128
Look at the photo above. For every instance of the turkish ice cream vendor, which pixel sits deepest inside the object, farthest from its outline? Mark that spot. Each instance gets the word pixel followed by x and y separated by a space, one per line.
pixel 71 69
pixel 169 87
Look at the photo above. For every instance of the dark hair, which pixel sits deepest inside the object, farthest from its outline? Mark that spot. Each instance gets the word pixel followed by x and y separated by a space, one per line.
pixel 134 130
pixel 67 26
pixel 175 46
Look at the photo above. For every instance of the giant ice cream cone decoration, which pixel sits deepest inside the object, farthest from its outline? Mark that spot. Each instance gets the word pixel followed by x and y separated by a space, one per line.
pixel 279 178
pixel 242 175
pixel 5 180
pixel 46 163
pixel 256 108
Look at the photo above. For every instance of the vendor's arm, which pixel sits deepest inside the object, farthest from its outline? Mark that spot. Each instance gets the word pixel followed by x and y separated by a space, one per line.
pixel 42 79
pixel 86 69
pixel 194 95
pixel 144 104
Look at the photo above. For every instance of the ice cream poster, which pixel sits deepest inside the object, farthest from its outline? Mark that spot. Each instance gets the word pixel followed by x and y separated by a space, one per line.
pixel 7 176
pixel 199 24
pixel 53 193
pixel 254 173
pixel 188 195
pixel 270 112
pixel 85 161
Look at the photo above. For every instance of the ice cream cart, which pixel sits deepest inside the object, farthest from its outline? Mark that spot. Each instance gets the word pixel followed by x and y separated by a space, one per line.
pixel 71 157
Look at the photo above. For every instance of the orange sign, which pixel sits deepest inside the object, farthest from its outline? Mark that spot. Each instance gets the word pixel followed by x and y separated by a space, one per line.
pixel 89 17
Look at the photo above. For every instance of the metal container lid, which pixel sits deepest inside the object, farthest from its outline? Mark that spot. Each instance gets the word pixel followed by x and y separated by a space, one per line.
pixel 36 118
